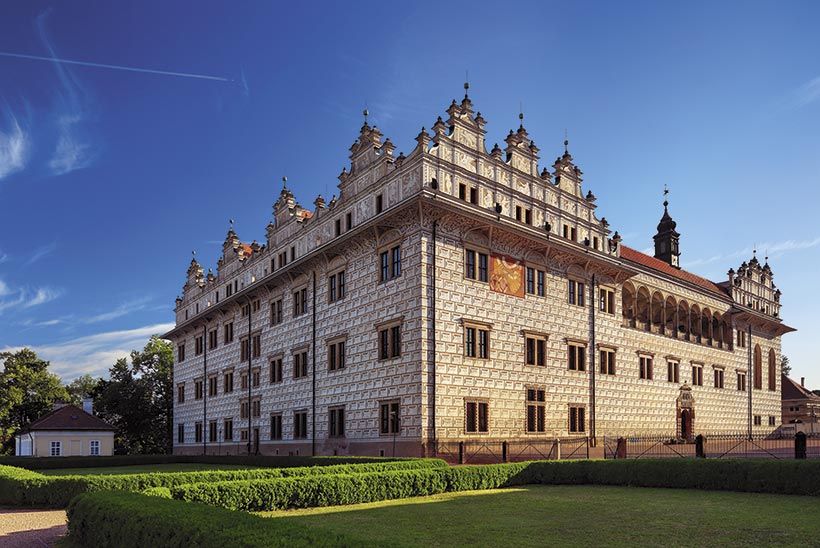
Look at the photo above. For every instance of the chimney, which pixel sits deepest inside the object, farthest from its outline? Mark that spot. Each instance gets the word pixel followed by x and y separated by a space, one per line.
pixel 88 406
pixel 803 382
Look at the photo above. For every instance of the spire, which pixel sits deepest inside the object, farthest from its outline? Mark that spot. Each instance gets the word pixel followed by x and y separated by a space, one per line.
pixel 667 240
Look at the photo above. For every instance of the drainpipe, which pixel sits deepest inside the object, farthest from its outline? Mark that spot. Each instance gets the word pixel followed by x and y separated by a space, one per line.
pixel 432 404
pixel 751 377
pixel 313 354
pixel 204 389
pixel 250 373
pixel 592 364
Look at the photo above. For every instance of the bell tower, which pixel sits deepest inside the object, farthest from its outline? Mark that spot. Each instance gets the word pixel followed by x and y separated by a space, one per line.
pixel 667 240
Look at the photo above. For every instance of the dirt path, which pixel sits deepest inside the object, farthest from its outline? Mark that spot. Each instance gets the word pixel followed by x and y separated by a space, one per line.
pixel 24 527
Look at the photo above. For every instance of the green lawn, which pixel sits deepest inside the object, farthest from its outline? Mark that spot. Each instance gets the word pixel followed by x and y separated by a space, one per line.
pixel 140 469
pixel 575 516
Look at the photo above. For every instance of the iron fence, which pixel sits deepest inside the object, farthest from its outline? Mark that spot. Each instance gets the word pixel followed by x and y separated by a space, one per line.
pixel 714 446
pixel 489 451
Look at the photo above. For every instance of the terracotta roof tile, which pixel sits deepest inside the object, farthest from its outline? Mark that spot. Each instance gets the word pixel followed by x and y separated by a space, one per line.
pixel 792 390
pixel 642 259
pixel 69 417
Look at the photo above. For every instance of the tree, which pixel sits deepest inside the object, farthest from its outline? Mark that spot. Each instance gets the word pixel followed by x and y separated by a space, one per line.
pixel 82 387
pixel 27 392
pixel 785 368
pixel 137 399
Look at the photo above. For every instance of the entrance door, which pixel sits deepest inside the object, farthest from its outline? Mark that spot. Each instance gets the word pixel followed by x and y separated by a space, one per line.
pixel 685 425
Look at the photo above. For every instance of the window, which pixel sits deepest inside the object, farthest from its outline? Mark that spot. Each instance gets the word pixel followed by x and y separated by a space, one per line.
pixel 741 338
pixel 606 300
pixel 518 212
pixel 244 349
pixel 228 290
pixel 536 410
pixel 257 305
pixel 576 355
pixel 180 433
pixel 379 204
pixel 212 432
pixel 772 371
pixel 570 232
pixel 276 426
pixel 390 264
pixel 477 342
pixel 228 333
pixel 300 364
pixel 672 371
pixel 243 380
pixel 283 259
pixel 198 432
pixel 539 283
pixel 299 301
pixel 276 312
pixel 94 448
pixel 577 421
pixel 772 420
pixel 389 418
pixel 476 417
pixel 348 221
pixel 213 335
pixel 758 421
pixel 607 359
pixel 336 286
pixel 212 382
pixel 576 292
pixel 336 355
pixel 256 375
pixel 645 368
pixel 336 426
pixel 243 409
pixel 389 341
pixel 276 370
pixel 299 424
pixel 338 227
pixel 718 378
pixel 243 434
pixel 256 408
pixel 228 427
pixel 181 393
pixel 758 369
pixel 462 191
pixel 227 382
pixel 292 253
pixel 476 265
pixel 257 345
pixel 536 353
pixel 246 310
pixel 198 389
pixel 530 280
pixel 473 195
pixel 697 375
pixel 741 381
pixel 56 449
pixel 528 216
pixel 181 353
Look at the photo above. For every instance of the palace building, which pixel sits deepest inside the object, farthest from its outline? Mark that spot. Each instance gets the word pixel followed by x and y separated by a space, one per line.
pixel 458 294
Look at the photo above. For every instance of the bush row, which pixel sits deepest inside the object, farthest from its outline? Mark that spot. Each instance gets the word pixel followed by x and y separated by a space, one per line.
pixel 24 487
pixel 270 461
pixel 767 476
pixel 130 520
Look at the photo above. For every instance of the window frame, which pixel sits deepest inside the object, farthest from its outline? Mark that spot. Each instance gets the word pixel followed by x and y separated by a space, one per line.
pixel 573 346
pixel 387 427
pixel 538 405
pixel 478 404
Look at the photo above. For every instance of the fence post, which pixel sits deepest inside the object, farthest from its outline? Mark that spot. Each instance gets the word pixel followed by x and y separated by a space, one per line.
pixel 620 451
pixel 800 445
pixel 699 452
pixel 461 452
pixel 503 451
pixel 558 449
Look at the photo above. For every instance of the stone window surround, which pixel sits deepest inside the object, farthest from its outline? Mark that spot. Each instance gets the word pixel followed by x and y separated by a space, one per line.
pixel 528 403
pixel 476 401
pixel 341 337
pixel 388 325
pixel 478 325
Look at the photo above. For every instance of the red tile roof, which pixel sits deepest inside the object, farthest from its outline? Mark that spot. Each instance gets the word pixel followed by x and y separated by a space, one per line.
pixel 792 390
pixel 69 417
pixel 642 259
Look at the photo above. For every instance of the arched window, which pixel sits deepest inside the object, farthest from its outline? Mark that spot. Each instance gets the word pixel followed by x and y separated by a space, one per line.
pixel 772 371
pixel 758 368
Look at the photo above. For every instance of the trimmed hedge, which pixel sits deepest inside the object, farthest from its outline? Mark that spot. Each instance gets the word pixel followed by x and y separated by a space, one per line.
pixel 764 476
pixel 24 487
pixel 131 520
pixel 268 461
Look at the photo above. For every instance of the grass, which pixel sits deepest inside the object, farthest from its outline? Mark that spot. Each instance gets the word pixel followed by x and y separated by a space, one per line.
pixel 574 516
pixel 142 469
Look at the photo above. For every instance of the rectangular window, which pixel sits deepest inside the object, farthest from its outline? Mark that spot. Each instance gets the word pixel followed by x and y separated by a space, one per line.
pixel 348 221
pixel 243 434
pixel 336 419
pixel 300 425
pixel 741 338
pixel 539 286
pixel 389 342
pixel 198 390
pixel 336 286
pixel 476 417
pixel 389 418
pixel 606 298
pixel 476 265
pixel 577 422
pixel 336 355
pixel 180 433
pixel 576 293
pixel 228 290
pixel 476 342
pixel 256 375
pixel 536 353
pixel 228 427
pixel 243 379
pixel 198 432
pixel 299 302
pixel 718 378
pixel 530 280
pixel 536 410
pixel 528 216
pixel 390 264
pixel 741 381
pixel 576 355
pixel 338 227
pixel 300 365
pixel 462 191
pixel 518 213
pixel 228 333
pixel 473 195
pixel 772 420
pixel 212 386
pixel 379 204
pixel 276 312
pixel 645 368
pixel 672 371
pixel 56 449
pixel 246 310
pixel 607 361
pixel 257 305
pixel 276 370
pixel 227 382
pixel 276 426
pixel 758 420
pixel 181 353
pixel 213 337
pixel 212 432
pixel 243 410
pixel 244 349
pixel 256 408
pixel 697 375
pixel 94 448
pixel 181 393
pixel 257 345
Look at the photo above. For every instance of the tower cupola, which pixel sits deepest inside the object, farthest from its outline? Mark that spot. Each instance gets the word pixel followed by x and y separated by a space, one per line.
pixel 667 240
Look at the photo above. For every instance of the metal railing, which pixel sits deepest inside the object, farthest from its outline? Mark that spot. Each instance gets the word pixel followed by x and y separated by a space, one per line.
pixel 713 446
pixel 489 451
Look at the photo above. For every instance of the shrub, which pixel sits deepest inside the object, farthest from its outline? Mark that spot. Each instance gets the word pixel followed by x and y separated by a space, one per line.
pixel 131 520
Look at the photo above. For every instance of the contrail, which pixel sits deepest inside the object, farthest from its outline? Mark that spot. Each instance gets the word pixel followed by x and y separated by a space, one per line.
pixel 115 67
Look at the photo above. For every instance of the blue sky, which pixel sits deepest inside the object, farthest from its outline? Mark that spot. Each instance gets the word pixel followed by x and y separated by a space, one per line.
pixel 109 178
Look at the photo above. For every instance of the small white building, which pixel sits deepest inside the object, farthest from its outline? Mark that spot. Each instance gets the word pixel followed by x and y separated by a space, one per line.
pixel 68 431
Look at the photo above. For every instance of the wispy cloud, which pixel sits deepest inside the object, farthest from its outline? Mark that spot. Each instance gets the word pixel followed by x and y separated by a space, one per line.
pixel 40 252
pixel 773 249
pixel 803 95
pixel 94 354
pixel 71 153
pixel 23 297
pixel 4 257
pixel 14 147
pixel 122 310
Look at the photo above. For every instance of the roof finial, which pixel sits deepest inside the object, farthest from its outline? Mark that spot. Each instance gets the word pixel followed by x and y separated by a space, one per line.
pixel 466 82
pixel 193 254
pixel 521 114
pixel 284 183
pixel 366 113
pixel 665 194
